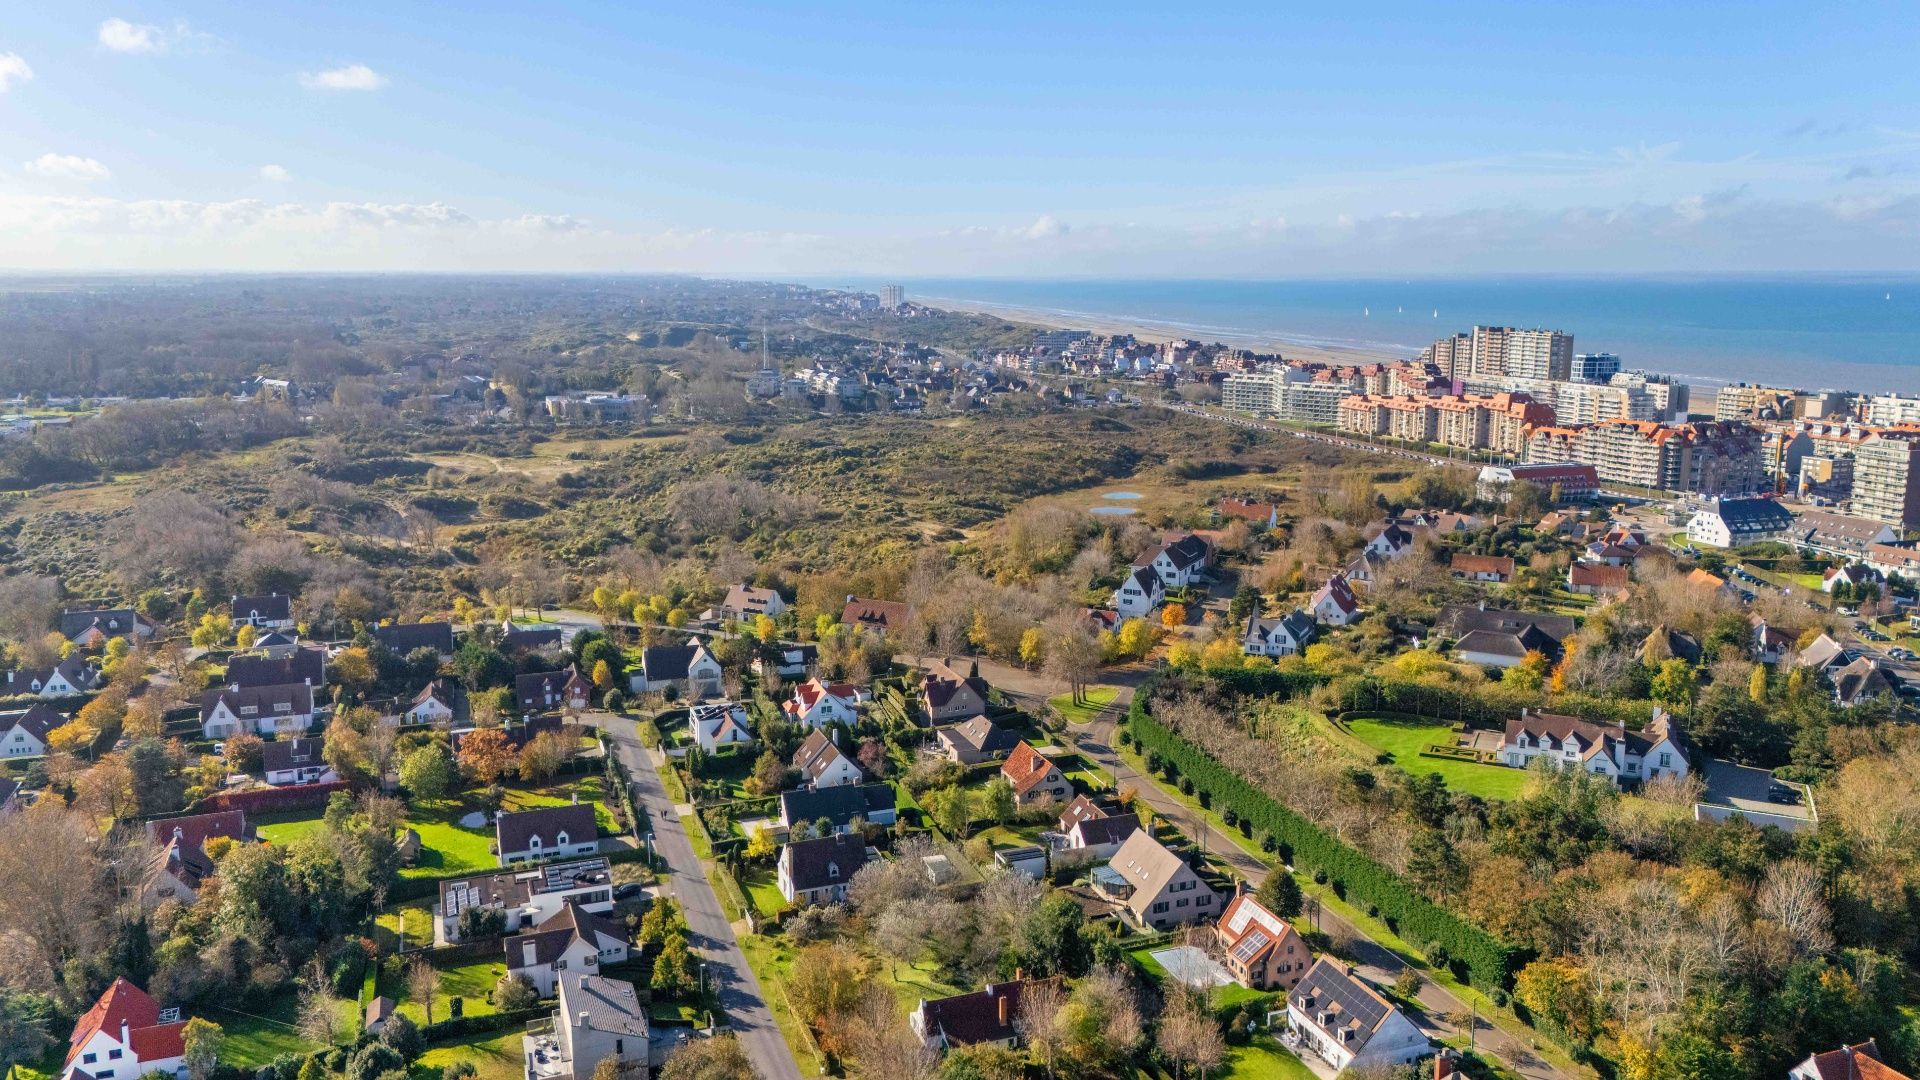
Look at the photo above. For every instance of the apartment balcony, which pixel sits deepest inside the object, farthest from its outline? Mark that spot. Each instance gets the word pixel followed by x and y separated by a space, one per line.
pixel 546 1058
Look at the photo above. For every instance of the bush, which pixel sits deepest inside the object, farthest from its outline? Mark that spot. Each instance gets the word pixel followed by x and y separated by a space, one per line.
pixel 513 993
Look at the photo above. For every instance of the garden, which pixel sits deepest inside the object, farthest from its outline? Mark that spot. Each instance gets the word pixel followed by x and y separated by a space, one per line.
pixel 1407 742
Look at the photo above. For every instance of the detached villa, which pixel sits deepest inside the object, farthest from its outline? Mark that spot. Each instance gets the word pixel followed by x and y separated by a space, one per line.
pixel 1626 757
pixel 1345 1022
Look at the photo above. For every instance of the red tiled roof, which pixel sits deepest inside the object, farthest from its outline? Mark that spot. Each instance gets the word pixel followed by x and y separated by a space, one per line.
pixel 1025 767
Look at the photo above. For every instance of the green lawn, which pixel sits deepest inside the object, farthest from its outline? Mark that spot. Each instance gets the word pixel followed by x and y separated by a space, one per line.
pixel 255 1037
pixel 472 980
pixel 1265 1059
pixel 1097 699
pixel 418 917
pixel 497 1056
pixel 1006 836
pixel 1405 742
pixel 771 959
pixel 763 888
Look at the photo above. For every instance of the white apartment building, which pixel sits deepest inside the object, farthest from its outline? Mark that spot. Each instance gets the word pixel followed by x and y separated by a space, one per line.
pixel 1886 410
pixel 1594 367
pixel 1522 354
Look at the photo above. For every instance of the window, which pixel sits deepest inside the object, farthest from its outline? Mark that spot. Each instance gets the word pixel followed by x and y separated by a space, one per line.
pixel 88 1059
pixel 1666 759
pixel 113 1055
pixel 619 1047
pixel 1160 907
pixel 1182 902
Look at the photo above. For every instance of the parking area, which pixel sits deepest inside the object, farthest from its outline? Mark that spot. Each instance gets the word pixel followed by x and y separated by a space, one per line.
pixel 1744 790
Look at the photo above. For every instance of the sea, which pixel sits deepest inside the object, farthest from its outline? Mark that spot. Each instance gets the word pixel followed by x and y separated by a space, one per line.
pixel 1853 332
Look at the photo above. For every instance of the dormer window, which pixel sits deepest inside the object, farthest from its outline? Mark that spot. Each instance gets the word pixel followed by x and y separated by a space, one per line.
pixel 561 840
pixel 833 870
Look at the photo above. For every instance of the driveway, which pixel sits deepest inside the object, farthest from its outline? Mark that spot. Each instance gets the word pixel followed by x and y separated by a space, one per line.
pixel 709 933
pixel 1371 959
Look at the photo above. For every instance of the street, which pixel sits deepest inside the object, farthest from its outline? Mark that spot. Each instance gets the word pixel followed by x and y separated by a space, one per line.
pixel 708 932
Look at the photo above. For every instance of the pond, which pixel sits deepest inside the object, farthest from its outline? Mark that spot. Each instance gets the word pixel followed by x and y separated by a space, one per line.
pixel 1123 496
pixel 1115 511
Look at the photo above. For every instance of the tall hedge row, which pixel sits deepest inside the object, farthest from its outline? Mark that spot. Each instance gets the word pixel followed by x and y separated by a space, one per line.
pixel 1489 962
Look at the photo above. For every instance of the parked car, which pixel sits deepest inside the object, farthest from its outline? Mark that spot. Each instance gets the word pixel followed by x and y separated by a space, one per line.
pixel 1781 793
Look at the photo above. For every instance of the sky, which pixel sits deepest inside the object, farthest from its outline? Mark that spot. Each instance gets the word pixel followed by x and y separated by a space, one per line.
pixel 977 139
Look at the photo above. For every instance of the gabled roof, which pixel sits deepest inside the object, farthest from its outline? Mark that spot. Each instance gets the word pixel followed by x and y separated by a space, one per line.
pixel 297 697
pixel 274 607
pixel 748 600
pixel 597 1003
pixel 670 661
pixel 1750 515
pixel 1026 767
pixel 1860 680
pixel 515 832
pixel 1249 931
pixel 404 638
pixel 305 665
pixel 888 615
pixel 989 1015
pixel 283 754
pixel 811 863
pixel 1297 625
pixel 532 639
pixel 942 683
pixel 1461 620
pixel 1466 562
pixel 1597 576
pixel 1100 831
pixel 441 690
pixel 1148 581
pixel 981 735
pixel 839 804
pixel 535 688
pixel 1861 1061
pixel 1183 552
pixel 38 721
pixel 554 936
pixel 1824 652
pixel 1148 866
pixel 113 622
pixel 817 754
pixel 126 1005
pixel 1080 809
pixel 1332 999
pixel 1339 592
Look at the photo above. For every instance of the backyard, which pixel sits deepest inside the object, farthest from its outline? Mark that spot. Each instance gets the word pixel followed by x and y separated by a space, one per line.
pixel 497 1056
pixel 1405 740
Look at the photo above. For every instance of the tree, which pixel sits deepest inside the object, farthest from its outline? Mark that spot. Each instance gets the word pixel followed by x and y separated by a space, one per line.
pixel 345 750
pixel 1040 1024
pixel 952 808
pixel 610 1068
pixel 403 1035
pixel 486 754
pixel 25 1020
pixel 245 636
pixel 1135 639
pixel 423 985
pixel 1280 894
pixel 1188 1035
pixel 1757 684
pixel 354 669
pixel 317 1019
pixel 769 774
pixel 513 993
pixel 1032 646
pixel 997 801
pixel 825 982
pixel 428 772
pixel 673 968
pixel 201 1040
pixel 765 628
pixel 900 934
pixel 718 1058
pixel 1673 684
pixel 544 756
pixel 1051 941
pixel 1246 602
pixel 1173 616
pixel 603 675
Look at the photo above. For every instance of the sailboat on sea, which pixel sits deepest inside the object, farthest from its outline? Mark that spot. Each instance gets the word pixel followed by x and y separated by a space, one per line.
pixel 1436 313
pixel 1366 313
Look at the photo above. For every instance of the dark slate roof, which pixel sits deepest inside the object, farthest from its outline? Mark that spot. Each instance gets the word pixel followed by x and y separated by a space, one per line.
pixel 552 937
pixel 1108 830
pixel 285 754
pixel 305 665
pixel 808 860
pixel 274 607
pixel 532 689
pixel 297 695
pixel 967 1019
pixel 38 720
pixel 1860 680
pixel 530 640
pixel 982 735
pixel 516 831
pixel 667 661
pixel 404 638
pixel 113 622
pixel 1752 515
pixel 1187 551
pixel 816 755
pixel 1462 620
pixel 838 805
pixel 1330 987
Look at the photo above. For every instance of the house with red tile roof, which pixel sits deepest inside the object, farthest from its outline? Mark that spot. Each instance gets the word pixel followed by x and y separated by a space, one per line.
pixel 1035 779
pixel 815 704
pixel 123 1036
pixel 949 696
pixel 1474 567
pixel 1861 1061
pixel 1259 949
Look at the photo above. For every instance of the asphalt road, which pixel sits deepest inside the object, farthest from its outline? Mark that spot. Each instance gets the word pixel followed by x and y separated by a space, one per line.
pixel 708 931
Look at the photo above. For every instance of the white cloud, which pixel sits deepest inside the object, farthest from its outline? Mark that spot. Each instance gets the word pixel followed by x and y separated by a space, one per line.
pixel 276 173
pixel 121 36
pixel 350 77
pixel 13 69
pixel 1045 227
pixel 67 167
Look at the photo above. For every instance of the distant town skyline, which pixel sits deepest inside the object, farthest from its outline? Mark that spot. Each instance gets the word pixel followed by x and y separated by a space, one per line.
pixel 990 139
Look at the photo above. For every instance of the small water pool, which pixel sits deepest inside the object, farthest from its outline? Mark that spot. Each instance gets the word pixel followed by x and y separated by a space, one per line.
pixel 1123 496
pixel 1114 511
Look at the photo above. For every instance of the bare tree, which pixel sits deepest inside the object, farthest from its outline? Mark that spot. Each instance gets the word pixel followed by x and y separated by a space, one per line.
pixel 1188 1033
pixel 1072 654
pixel 881 1044
pixel 28 603
pixel 317 1020
pixel 900 934
pixel 1791 897
pixel 423 984
pixel 1041 1024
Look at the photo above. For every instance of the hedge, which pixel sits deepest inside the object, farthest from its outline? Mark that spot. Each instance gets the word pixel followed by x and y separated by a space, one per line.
pixel 1489 962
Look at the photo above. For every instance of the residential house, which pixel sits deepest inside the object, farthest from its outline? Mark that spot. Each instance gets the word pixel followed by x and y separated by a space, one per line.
pixel 10 798
pixel 1156 888
pixel 817 871
pixel 1861 1061
pixel 1895 559
pixel 1101 620
pixel 572 939
pixel 1334 603
pixel 1823 653
pixel 786 661
pixel 404 639
pixel 1472 567
pixel 1097 837
pixel 1494 638
pixel 1388 540
pixel 1180 561
pixel 278 644
pixel 1664 643
pixel 306 665
pixel 92 628
pixel 1838 534
pixel 1770 643
pixel 286 709
pixel 1860 681
pixel 24 735
pixel 1261 515
pixel 984 1017
pixel 719 723
pixel 182 863
pixel 1082 808
pixel 546 640
pixel 547 691
pixel 1852 575
pixel 1614 751
pixel 688 670
pixel 1727 523
pixel 883 616
pixel 437 703
pixel 1597 578
pixel 744 603
pixel 598 1019
pixel 821 763
pixel 68 678
pixel 840 806
pixel 523 898
pixel 816 704
pixel 1036 780
pixel 1259 949
pixel 126 1036
pixel 947 696
pixel 549 832
pixel 1287 635
pixel 270 612
pixel 295 761
pixel 1140 593
pixel 974 741
pixel 1345 1022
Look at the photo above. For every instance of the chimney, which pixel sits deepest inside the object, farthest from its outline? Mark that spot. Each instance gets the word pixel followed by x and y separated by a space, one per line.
pixel 1002 999
pixel 126 1036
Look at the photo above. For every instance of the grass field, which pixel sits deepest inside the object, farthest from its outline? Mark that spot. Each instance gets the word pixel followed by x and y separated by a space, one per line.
pixel 1265 1059
pixel 1405 742
pixel 763 889
pixel 1097 699
pixel 497 1056
pixel 255 1037
pixel 472 980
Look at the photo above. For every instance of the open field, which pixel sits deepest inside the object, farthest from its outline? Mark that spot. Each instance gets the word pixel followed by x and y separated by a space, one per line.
pixel 496 1056
pixel 1097 699
pixel 1405 742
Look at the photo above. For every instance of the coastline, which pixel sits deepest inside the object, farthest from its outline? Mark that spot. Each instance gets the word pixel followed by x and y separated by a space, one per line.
pixel 1157 333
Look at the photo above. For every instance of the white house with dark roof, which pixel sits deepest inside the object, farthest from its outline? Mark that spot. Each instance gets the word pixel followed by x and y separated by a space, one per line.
pixel 1725 523
pixel 549 832
pixel 1344 1022
pixel 1614 751
pixel 303 664
pixel 1286 635
pixel 271 612
pixel 68 678
pixel 839 806
pixel 719 723
pixel 821 763
pixel 689 670
pixel 1388 540
pixel 572 939
pixel 1334 603
pixel 818 871
pixel 263 710
pixel 1494 638
pixel 91 628
pixel 523 897
pixel 295 761
pixel 1140 593
pixel 744 603
pixel 1180 561
pixel 24 735
pixel 436 703
pixel 598 1019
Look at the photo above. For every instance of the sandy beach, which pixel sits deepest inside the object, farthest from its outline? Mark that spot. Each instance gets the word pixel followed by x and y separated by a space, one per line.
pixel 1327 354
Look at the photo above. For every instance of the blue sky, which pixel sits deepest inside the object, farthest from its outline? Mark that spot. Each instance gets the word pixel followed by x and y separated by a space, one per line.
pixel 999 139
